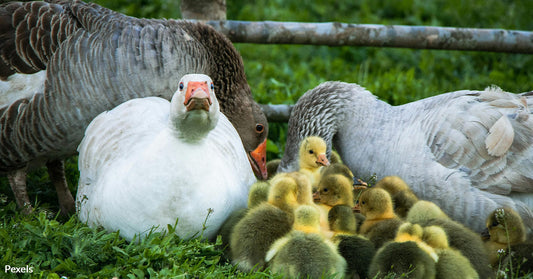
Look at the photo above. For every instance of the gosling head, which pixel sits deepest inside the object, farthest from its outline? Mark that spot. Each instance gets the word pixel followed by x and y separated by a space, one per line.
pixel 376 203
pixel 335 189
pixel 312 153
pixel 506 226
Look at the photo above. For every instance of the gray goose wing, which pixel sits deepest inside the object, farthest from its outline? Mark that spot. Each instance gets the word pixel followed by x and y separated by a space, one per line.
pixel 95 59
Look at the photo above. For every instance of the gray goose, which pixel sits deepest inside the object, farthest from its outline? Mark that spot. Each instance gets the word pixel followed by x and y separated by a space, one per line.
pixel 95 59
pixel 468 151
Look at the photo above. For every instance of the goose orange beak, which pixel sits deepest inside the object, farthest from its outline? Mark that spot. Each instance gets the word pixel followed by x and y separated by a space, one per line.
pixel 257 159
pixel 322 160
pixel 197 96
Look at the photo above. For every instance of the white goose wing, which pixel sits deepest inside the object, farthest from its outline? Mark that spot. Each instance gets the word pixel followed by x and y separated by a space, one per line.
pixel 113 134
pixel 486 135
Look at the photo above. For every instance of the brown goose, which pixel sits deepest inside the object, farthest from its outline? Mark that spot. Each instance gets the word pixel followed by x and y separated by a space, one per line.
pixel 467 151
pixel 95 59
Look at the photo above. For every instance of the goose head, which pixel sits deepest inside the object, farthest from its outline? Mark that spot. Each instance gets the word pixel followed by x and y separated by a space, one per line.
pixel 194 108
pixel 257 153
pixel 246 116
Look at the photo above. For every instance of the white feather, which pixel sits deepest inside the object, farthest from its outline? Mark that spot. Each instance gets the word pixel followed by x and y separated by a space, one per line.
pixel 21 86
pixel 500 138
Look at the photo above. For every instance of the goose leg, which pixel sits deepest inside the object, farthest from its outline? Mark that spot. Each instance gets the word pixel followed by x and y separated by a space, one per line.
pixel 17 181
pixel 56 170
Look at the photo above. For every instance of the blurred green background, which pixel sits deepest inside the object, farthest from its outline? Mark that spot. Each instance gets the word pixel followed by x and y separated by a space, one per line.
pixel 280 74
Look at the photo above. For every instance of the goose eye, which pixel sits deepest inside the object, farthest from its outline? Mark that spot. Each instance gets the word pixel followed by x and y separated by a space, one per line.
pixel 259 128
pixel 181 85
pixel 212 86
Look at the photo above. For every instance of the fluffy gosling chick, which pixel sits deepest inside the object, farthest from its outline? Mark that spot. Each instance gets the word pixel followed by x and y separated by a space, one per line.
pixel 333 189
pixel 392 184
pixel 258 194
pixel 403 198
pixel 262 225
pixel 335 157
pixel 380 224
pixel 337 168
pixel 415 232
pixel 506 228
pixel 304 253
pixel 407 254
pixel 358 251
pixel 451 264
pixel 465 241
pixel 312 157
pixel 272 167
pixel 304 192
pixel 423 211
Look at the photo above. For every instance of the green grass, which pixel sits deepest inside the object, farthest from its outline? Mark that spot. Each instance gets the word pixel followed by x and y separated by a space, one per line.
pixel 277 74
pixel 53 249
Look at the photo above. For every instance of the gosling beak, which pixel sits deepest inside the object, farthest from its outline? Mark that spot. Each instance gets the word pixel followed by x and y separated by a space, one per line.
pixel 356 208
pixel 197 96
pixel 257 159
pixel 322 160
pixel 359 184
pixel 485 235
pixel 316 196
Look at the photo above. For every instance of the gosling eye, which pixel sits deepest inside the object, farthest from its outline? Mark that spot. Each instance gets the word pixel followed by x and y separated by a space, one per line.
pixel 363 202
pixel 259 128
pixel 325 190
pixel 494 223
pixel 181 86
pixel 311 151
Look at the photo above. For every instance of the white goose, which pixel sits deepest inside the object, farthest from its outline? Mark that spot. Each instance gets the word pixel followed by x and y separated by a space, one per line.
pixel 147 162
pixel 468 151
pixel 92 59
